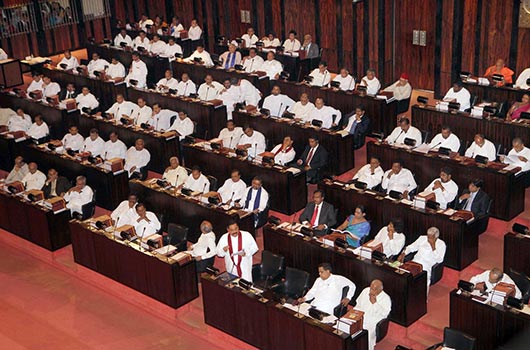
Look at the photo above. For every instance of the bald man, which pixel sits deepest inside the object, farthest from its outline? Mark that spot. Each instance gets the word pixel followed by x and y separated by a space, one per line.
pixel 175 174
pixel 500 69
pixel 34 179
pixel 487 280
pixel 205 249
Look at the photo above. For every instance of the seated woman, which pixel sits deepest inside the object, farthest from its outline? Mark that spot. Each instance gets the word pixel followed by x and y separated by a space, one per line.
pixel 517 108
pixel 356 225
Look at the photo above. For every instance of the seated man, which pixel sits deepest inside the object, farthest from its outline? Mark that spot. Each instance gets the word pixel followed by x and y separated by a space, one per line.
pixel 521 81
pixel 125 212
pixel 233 189
pixel 445 139
pixel 68 62
pixel 137 72
pixel 276 102
pixel 114 147
pixel 157 47
pixel 249 38
pixel 123 37
pixel 311 49
pixel 347 82
pixel 34 178
pixel 97 64
pixel 230 95
pixel 399 179
pixel 474 199
pixel 271 67
pixel 358 126
pixel 376 305
pixel 487 280
pixel 175 174
pixel 182 125
pixel 501 69
pixel 19 121
pixel 252 141
pixel 49 88
pixel 55 185
pixel 314 159
pixel 146 223
pixel 167 82
pixel 20 169
pixel 371 82
pixel 444 188
pixel 320 75
pixel 329 116
pixel 136 158
pixel 252 62
pixel 482 147
pixel 231 57
pixel 371 174
pixel 172 49
pixel 303 110
pixel 255 200
pixel 209 90
pixel 271 41
pixel 94 144
pixel 141 41
pixel 205 250
pixel 86 100
pixel 202 55
pixel 197 181
pixel 116 71
pixel 404 131
pixel 326 293
pixel 249 94
pixel 120 108
pixel 36 83
pixel 319 215
pixel 519 155
pixel 237 248
pixel 186 87
pixel 194 31
pixel 402 91
pixel 68 93
pixel 141 113
pixel 284 153
pixel 230 135
pixel 161 118
pixel 73 140
pixel 391 237
pixel 459 94
pixel 78 196
pixel 291 44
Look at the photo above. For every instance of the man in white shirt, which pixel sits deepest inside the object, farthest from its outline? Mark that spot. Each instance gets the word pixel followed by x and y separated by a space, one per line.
pixel 250 38
pixel 205 250
pixel 444 188
pixel 347 82
pixel 3 54
pixel 430 251
pixel 20 169
pixel 146 224
pixel 401 88
pixel 78 196
pixel 86 100
pixel 237 248
pixel 327 291
pixel 233 189
pixel 197 181
pixel 49 88
pixel 482 147
pixel 136 158
pixel 371 174
pixel 123 37
pixel 114 147
pixel 486 281
pixel 94 144
pixel 521 81
pixel 202 54
pixel 209 90
pixel 194 32
pixel 276 102
pixel 34 178
pixel 371 82
pixel 230 135
pixel 141 113
pixel 138 71
pixel 248 92
pixel 120 109
pixel 116 70
pixel 186 87
pixel 230 95
pixel 167 82
pixel 182 125
pixel 157 46
pixel 252 141
pixel 320 75
pixel 445 139
pixel 252 62
pixel 161 118
pixel 172 49
pixel 459 94
pixel 404 131
pixel 19 121
pixel 376 305
pixel 36 83
pixel 255 200
pixel 125 213
pixel 391 237
pixel 291 44
pixel 96 64
pixel 175 174
pixel 141 41
pixel 231 57
pixel 73 140
pixel 144 22
pixel 519 155
pixel 271 41
pixel 329 116
pixel 68 62
pixel 398 179
pixel 303 110
pixel 271 67
pixel 284 153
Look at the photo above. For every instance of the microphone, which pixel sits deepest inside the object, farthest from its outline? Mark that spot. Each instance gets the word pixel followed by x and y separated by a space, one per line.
pixel 438 144
pixel 324 78
pixel 230 200
pixel 255 149
pixel 398 136
pixel 207 91
pixel 141 238
pixel 186 89
pixel 202 193
pixel 292 225
pixel 177 180
pixel 115 226
pixel 345 290
pixel 251 63
pixel 106 155
pixel 230 144
pixel 280 109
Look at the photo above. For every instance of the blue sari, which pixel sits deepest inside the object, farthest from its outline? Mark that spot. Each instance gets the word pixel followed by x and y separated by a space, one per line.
pixel 360 230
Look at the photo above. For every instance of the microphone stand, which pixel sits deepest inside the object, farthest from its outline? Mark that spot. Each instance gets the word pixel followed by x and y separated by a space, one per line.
pixel 230 144
pixel 345 290
pixel 398 136
pixel 141 239
pixel 280 110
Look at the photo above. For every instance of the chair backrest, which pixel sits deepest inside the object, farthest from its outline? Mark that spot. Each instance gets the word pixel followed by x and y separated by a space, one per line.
pixel 296 282
pixel 458 340
pixel 172 120
pixel 177 233
pixel 271 264
pixel 523 283
pixel 424 136
pixel 213 182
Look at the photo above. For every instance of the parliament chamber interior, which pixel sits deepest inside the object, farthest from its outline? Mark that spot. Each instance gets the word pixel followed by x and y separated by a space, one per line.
pixel 281 174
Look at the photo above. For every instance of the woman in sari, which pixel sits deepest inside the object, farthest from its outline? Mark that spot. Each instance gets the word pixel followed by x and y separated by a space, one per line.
pixel 517 108
pixel 356 225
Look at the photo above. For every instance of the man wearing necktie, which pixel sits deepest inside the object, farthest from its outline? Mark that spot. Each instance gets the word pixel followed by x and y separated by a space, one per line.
pixel 231 57
pixel 314 158
pixel 68 93
pixel 474 199
pixel 319 215
pixel 358 126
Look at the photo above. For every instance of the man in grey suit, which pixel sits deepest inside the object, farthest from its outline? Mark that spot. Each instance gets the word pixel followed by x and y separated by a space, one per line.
pixel 310 47
pixel 319 215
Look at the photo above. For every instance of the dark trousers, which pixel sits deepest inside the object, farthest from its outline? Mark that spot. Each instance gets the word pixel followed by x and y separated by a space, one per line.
pixel 203 264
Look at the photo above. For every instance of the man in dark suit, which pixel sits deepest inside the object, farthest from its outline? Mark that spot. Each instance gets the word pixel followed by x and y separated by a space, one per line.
pixel 314 158
pixel 67 93
pixel 358 125
pixel 319 215
pixel 310 47
pixel 474 199
pixel 55 185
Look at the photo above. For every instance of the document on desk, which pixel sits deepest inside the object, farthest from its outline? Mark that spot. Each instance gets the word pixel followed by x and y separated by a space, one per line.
pixel 293 170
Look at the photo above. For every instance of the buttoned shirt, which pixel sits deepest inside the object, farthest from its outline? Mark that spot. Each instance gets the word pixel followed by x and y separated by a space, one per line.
pixel 114 149
pixel 452 142
pixel 34 181
pixel 185 88
pixel 201 184
pixel 327 294
pixel 176 177
pixel 487 150
pixel 372 86
pixel 277 104
pixel 257 142
pixel 252 64
pixel 209 92
pixel 365 175
pixel 119 38
pixel 231 138
pixel 18 123
pixel 271 68
pixel 95 147
pixel 232 190
pixel 71 63
pixel 392 246
pixel 87 100
pixel 325 114
pixel 73 142
pixel 404 181
pixel 304 112
pixel 183 126
pixel 346 83
pixel 97 65
pixel 445 196
pixel 284 156
pixel 205 246
pixel 116 71
pixel 398 136
pixel 320 79
pixel 463 97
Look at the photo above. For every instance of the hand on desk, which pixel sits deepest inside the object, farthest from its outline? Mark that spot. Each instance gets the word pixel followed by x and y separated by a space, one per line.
pixel 481 287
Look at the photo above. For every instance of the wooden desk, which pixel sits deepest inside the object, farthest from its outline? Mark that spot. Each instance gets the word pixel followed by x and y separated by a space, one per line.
pixel 506 189
pixel 266 326
pixel 160 148
pixel 209 119
pixel 168 283
pixel 33 222
pixel 495 94
pixel 187 211
pixel 110 189
pixel 492 326
pixel 408 293
pixel 516 253
pixel 497 130
pixel 461 239
pixel 341 157
pixel 288 192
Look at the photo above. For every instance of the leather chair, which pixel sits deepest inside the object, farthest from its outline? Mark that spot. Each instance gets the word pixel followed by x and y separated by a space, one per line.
pixel 341 310
pixel 424 136
pixel 213 182
pixel 455 339
pixel 523 283
pixel 89 209
pixel 381 329
pixel 436 270
pixel 177 235
pixel 264 215
pixel 402 106
pixel 481 222
pixel 295 284
pixel 269 271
